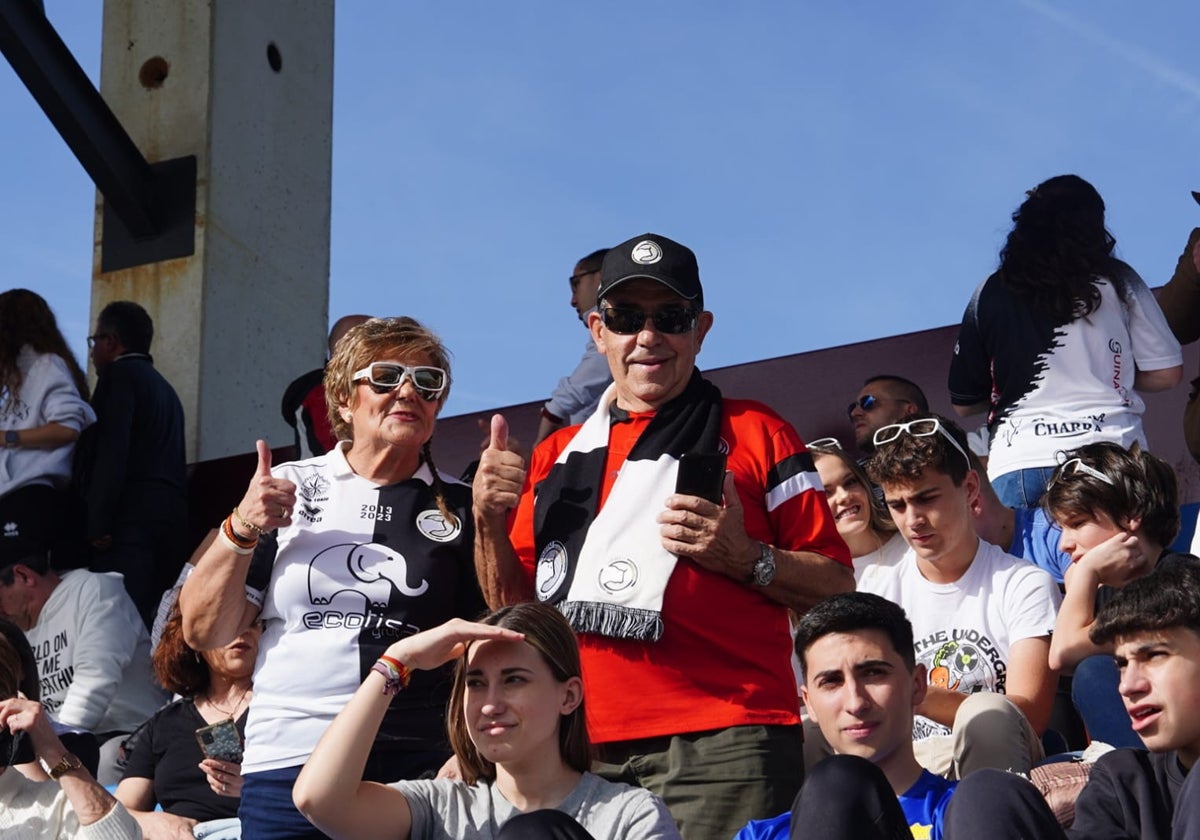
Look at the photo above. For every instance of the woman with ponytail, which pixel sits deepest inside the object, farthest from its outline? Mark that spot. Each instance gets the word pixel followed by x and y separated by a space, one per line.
pixel 341 556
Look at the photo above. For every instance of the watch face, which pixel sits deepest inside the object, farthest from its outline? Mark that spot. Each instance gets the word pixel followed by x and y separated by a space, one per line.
pixel 764 569
pixel 12 437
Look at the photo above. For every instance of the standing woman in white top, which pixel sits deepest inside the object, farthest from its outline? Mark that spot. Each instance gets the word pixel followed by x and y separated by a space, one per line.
pixel 43 401
pixel 1055 342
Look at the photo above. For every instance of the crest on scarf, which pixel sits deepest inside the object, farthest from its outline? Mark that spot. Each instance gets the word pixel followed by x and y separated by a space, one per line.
pixel 551 570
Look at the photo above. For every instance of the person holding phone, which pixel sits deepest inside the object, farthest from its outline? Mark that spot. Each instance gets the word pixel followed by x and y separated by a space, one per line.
pixel 177 760
pixel 681 602
pixel 517 722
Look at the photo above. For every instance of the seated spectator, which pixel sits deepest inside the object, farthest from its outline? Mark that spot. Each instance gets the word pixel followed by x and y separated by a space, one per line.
pixel 1118 510
pixel 516 720
pixel 861 518
pixel 72 804
pixel 43 402
pixel 1028 533
pixel 862 684
pixel 92 649
pixel 304 407
pixel 164 764
pixel 78 742
pixel 883 399
pixel 1153 625
pixel 982 618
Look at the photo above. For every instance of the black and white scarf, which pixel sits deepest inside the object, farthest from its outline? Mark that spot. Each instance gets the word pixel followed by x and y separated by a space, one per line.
pixel 607 571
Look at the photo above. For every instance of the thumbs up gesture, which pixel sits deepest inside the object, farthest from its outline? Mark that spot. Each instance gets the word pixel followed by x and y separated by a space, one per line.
pixel 268 502
pixel 501 473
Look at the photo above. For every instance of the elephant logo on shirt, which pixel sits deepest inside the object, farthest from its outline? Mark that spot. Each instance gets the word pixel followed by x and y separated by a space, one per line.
pixel 371 570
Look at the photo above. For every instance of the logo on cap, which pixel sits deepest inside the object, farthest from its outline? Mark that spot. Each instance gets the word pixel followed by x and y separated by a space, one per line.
pixel 11 530
pixel 646 252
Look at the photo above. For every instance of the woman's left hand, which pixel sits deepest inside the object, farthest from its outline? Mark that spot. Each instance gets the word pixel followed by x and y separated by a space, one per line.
pixel 224 777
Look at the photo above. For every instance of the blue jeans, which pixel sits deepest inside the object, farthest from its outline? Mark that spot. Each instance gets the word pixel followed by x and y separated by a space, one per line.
pixel 226 829
pixel 266 810
pixel 1094 692
pixel 1023 488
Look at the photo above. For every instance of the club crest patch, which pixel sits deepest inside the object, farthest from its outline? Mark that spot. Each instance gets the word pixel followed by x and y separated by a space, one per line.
pixel 436 527
pixel 646 252
pixel 551 570
pixel 618 576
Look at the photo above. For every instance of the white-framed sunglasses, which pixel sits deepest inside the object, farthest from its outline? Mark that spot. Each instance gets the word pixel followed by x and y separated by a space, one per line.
pixel 1076 465
pixel 825 443
pixel 383 377
pixel 918 428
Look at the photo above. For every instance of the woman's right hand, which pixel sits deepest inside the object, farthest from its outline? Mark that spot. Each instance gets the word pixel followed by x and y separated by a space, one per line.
pixel 269 501
pixel 437 646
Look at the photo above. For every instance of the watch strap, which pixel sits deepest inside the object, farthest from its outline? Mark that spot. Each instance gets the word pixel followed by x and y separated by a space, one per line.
pixel 65 765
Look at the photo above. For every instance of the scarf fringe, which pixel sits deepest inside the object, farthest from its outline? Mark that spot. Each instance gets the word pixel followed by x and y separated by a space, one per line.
pixel 613 621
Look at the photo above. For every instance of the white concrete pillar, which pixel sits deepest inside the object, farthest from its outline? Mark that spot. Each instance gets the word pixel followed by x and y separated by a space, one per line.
pixel 247 87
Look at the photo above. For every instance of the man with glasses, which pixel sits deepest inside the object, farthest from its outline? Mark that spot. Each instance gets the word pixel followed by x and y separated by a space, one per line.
pixel 981 618
pixel 132 463
pixel 576 394
pixel 680 602
pixel 884 399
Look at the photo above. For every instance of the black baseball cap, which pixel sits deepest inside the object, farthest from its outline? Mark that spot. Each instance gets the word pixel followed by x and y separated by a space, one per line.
pixel 32 529
pixel 653 257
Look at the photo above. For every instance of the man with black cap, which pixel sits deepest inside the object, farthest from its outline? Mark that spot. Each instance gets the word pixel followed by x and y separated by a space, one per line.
pixel 680 602
pixel 92 650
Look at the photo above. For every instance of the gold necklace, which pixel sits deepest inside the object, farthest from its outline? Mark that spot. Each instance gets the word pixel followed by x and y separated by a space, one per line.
pixel 232 715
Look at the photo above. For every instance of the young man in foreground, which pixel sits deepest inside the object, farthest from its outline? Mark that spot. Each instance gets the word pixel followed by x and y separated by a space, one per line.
pixel 861 685
pixel 1154 625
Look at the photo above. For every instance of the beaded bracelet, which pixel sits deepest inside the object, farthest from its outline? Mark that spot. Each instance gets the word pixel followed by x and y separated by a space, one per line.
pixel 249 526
pixel 395 673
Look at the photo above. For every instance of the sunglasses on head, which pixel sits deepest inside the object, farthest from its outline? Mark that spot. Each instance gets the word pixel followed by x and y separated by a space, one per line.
pixel 918 428
pixel 669 320
pixel 1076 465
pixel 383 377
pixel 825 443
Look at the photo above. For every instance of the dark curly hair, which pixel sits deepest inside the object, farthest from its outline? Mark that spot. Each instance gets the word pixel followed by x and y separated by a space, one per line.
pixel 1059 248
pixel 26 318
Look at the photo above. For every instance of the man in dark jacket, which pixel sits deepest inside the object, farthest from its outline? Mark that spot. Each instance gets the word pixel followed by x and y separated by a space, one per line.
pixel 133 466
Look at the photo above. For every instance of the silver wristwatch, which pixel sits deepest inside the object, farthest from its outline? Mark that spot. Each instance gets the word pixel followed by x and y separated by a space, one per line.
pixel 764 567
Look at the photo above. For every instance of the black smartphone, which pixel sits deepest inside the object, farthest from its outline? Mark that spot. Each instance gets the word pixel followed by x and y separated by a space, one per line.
pixel 701 474
pixel 221 741
pixel 15 748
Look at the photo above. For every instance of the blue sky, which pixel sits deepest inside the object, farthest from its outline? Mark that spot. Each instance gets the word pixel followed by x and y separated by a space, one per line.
pixel 844 171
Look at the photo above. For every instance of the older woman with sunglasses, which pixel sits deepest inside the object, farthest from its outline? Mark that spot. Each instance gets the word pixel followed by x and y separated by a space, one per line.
pixel 864 524
pixel 342 555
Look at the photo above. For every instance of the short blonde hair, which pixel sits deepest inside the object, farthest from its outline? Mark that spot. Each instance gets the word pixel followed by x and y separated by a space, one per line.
pixel 372 341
